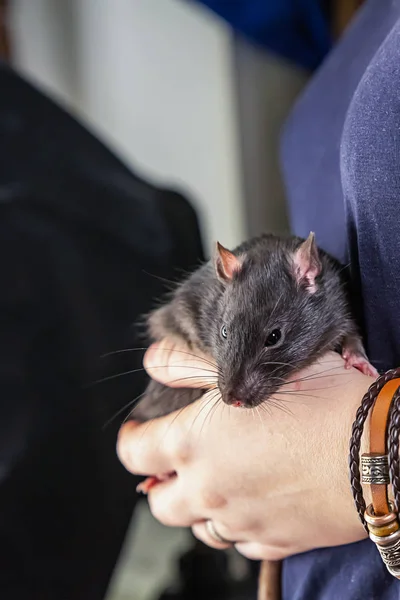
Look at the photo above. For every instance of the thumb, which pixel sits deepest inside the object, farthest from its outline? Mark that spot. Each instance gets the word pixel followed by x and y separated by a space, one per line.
pixel 177 365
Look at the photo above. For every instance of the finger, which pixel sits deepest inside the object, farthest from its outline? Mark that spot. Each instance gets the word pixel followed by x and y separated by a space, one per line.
pixel 202 532
pixel 170 503
pixel 175 364
pixel 149 448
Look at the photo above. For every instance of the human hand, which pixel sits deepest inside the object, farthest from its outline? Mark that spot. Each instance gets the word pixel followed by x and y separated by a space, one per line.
pixel 273 481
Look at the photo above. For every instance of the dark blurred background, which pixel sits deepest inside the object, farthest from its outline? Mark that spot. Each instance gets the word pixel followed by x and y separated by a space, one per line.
pixel 133 134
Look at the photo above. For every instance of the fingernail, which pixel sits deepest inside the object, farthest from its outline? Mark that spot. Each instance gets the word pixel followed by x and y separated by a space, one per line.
pixel 140 490
pixel 146 485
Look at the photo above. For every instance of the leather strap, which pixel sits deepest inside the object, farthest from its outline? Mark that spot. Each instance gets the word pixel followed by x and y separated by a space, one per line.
pixel 378 436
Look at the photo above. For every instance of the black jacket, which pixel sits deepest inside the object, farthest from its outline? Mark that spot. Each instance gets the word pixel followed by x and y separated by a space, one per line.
pixel 83 242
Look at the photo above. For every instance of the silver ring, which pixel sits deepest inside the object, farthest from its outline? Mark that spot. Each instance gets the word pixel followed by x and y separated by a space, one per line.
pixel 215 535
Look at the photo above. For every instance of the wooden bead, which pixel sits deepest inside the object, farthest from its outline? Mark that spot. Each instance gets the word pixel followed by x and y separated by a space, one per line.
pixel 384 529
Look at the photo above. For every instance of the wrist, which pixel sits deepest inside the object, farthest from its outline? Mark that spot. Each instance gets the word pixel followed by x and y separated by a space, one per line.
pixel 378 514
pixel 364 449
pixel 326 485
pixel 355 392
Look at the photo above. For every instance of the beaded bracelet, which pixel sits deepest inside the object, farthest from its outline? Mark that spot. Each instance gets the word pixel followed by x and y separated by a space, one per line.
pixel 380 467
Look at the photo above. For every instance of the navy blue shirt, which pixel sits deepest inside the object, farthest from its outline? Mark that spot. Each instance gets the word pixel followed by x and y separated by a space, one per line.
pixel 341 162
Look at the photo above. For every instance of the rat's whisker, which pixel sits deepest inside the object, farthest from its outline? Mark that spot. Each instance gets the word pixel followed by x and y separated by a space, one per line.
pixel 173 284
pixel 320 375
pixel 141 369
pixel 206 378
pixel 110 377
pixel 175 350
pixel 268 377
pixel 211 413
pixel 123 409
pixel 299 395
pixel 313 389
pixel 145 430
pixel 280 405
pixel 265 408
pixel 206 403
pixel 217 400
pixel 344 267
pixel 274 309
pixel 211 402
pixel 275 362
pixel 178 414
pixel 260 418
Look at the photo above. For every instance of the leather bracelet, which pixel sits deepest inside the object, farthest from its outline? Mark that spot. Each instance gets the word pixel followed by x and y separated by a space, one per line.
pixel 380 518
pixel 393 444
pixel 355 440
pixel 375 464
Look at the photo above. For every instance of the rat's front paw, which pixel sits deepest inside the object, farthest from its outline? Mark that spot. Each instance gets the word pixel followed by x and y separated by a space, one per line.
pixel 358 361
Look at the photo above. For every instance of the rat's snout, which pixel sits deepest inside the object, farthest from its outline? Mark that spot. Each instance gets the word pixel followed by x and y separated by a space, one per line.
pixel 249 389
pixel 247 386
pixel 231 399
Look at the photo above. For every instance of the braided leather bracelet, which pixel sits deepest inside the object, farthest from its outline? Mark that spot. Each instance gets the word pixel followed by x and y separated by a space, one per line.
pixel 394 437
pixel 380 519
pixel 355 440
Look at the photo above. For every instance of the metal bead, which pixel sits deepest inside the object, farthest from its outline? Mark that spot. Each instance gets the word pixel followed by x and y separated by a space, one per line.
pixel 389 549
pixel 379 521
pixel 388 540
pixel 375 469
pixel 395 571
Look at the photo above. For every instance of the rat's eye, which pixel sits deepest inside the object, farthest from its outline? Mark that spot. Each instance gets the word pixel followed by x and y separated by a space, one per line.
pixel 224 331
pixel 273 337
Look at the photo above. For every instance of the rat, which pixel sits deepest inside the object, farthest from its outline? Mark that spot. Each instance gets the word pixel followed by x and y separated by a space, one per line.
pixel 262 312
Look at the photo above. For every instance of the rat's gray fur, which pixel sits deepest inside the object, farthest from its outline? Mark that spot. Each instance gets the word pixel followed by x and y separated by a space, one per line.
pixel 262 295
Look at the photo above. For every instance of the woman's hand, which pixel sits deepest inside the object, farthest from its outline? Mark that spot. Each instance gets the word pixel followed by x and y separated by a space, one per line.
pixel 273 481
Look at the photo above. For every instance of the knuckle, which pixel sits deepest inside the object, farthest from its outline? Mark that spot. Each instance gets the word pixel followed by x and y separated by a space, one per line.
pixel 211 500
pixel 140 460
pixel 178 447
pixel 249 525
pixel 125 455
pixel 182 452
pixel 135 454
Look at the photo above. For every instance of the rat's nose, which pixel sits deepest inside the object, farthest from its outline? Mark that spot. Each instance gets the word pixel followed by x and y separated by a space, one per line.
pixel 232 400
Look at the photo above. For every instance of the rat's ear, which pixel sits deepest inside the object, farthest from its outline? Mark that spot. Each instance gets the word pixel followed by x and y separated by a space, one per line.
pixel 307 264
pixel 226 263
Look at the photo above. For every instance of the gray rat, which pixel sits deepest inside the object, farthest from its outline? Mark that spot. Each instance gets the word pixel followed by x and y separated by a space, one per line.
pixel 263 311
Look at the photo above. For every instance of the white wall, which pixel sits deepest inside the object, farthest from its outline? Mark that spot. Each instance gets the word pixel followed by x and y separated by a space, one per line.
pixel 154 79
pixel 266 89
pixel 175 94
